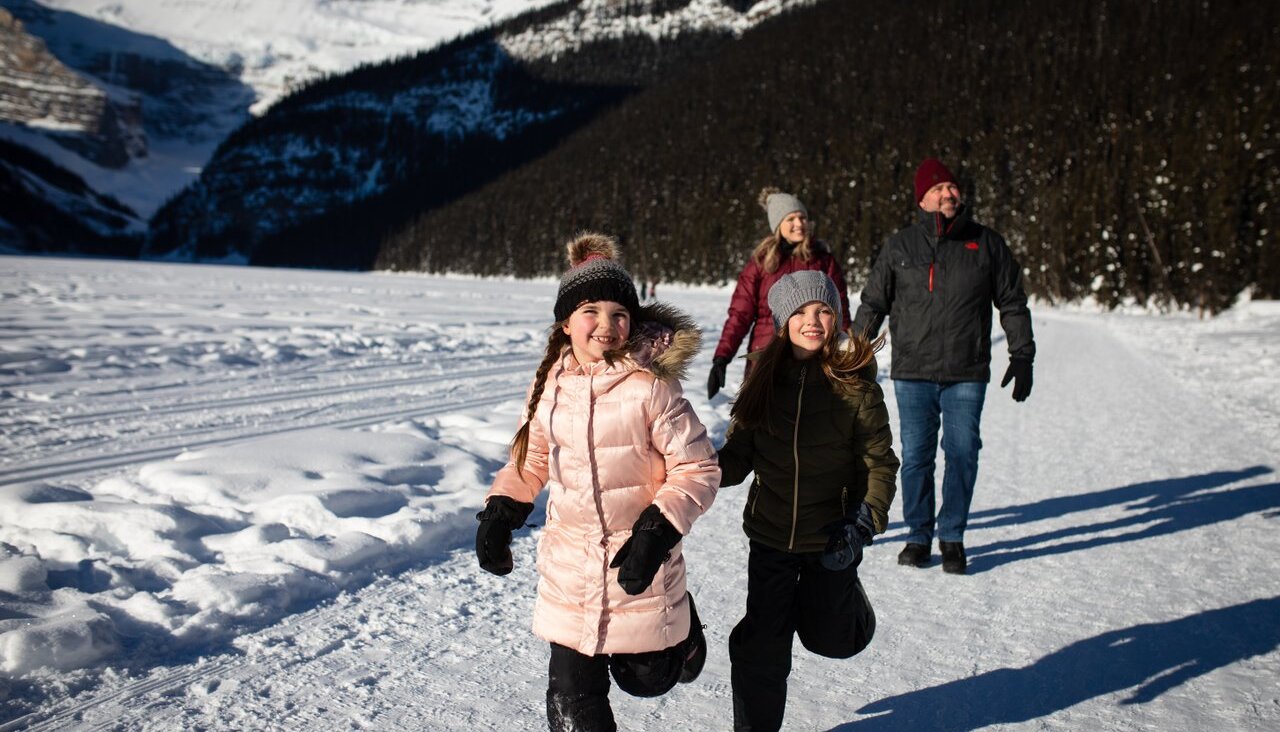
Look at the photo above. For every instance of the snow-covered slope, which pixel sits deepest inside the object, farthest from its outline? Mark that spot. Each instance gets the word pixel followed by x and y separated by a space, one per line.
pixel 243 498
pixel 410 135
pixel 193 70
pixel 274 45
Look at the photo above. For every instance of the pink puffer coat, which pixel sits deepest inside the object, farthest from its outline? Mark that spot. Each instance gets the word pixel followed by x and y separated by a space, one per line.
pixel 608 441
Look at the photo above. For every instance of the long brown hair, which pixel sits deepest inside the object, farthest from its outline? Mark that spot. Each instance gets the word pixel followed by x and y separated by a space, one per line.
pixel 841 362
pixel 557 340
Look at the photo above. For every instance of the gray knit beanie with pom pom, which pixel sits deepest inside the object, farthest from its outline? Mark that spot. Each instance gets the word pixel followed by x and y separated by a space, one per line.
pixel 778 205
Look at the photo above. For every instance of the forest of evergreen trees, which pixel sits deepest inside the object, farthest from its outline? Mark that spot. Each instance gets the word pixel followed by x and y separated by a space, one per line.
pixel 1125 149
pixel 285 188
pixel 62 214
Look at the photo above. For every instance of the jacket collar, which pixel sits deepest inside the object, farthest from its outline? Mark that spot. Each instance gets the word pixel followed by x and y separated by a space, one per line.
pixel 937 227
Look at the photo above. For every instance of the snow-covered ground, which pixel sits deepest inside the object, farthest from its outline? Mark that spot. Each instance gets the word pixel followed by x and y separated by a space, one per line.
pixel 236 498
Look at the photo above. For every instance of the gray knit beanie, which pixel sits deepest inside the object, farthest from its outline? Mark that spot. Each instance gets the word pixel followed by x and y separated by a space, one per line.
pixel 777 205
pixel 594 274
pixel 794 291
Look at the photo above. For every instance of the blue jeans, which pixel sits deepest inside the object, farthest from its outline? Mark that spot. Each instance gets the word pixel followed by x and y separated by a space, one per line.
pixel 922 406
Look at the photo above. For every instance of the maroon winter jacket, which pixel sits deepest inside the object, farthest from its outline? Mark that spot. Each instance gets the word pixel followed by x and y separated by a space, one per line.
pixel 750 302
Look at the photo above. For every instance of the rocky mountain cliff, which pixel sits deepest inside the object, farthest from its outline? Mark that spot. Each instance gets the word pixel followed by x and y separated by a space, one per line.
pixel 38 90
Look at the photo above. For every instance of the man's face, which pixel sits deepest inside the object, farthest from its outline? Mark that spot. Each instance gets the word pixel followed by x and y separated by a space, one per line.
pixel 943 198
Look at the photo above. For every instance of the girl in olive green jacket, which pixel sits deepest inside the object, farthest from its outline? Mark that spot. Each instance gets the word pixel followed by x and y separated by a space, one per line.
pixel 811 422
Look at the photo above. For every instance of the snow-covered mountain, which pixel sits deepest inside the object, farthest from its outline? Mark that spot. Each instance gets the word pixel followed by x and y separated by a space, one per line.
pixel 134 96
pixel 274 45
pixel 329 171
pixel 179 76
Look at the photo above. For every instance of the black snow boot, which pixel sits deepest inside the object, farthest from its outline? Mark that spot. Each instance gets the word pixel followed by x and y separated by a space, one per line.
pixel 578 692
pixel 695 646
pixel 579 713
pixel 914 555
pixel 953 559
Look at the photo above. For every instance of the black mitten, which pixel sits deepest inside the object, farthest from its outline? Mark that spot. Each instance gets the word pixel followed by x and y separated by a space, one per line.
pixel 847 537
pixel 715 381
pixel 1019 372
pixel 652 538
pixel 501 516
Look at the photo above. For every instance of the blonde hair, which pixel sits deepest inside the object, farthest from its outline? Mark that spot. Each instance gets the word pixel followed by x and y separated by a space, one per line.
pixel 842 364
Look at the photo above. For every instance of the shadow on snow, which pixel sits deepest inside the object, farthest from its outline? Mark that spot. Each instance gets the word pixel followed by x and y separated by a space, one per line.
pixel 1154 657
pixel 1153 508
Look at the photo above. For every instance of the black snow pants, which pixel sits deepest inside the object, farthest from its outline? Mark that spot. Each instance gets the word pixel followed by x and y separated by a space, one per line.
pixel 578 690
pixel 789 595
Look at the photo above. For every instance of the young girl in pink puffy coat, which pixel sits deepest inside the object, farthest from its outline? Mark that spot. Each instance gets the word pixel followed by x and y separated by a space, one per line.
pixel 629 468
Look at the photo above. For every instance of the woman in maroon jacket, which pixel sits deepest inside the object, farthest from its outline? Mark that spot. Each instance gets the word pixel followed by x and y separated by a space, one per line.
pixel 789 247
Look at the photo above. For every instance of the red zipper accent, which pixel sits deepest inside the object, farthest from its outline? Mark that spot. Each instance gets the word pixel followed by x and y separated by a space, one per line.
pixel 931 277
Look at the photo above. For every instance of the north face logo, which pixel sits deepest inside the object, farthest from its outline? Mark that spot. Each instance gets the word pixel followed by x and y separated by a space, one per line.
pixel 973 245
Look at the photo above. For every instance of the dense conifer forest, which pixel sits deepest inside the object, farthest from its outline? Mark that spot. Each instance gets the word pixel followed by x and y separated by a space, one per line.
pixel 65 215
pixel 288 188
pixel 1125 149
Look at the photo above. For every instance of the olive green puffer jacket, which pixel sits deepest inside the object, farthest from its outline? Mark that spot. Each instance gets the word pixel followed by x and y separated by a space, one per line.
pixel 841 440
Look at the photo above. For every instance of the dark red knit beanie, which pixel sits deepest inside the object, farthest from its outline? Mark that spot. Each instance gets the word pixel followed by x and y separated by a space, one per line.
pixel 930 173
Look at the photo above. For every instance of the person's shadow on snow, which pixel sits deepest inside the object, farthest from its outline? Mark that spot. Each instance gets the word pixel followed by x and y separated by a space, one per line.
pixel 1155 657
pixel 1153 508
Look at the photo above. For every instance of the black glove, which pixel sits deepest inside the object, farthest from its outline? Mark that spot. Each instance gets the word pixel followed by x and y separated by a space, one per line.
pixel 652 538
pixel 501 516
pixel 848 536
pixel 1020 373
pixel 716 380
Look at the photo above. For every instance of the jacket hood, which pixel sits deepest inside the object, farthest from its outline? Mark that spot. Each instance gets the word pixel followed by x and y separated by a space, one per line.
pixel 665 341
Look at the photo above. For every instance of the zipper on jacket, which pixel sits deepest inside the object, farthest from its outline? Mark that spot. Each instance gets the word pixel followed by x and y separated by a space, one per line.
pixel 594 466
pixel 795 457
pixel 937 237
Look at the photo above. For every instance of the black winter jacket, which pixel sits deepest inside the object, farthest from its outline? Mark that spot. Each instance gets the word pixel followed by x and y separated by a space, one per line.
pixel 937 283
pixel 828 450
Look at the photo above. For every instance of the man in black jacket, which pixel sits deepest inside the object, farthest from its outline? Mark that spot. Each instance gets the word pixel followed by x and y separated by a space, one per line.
pixel 936 281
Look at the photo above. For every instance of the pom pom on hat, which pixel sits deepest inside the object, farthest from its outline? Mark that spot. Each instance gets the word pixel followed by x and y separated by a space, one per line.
pixel 594 274
pixel 589 244
pixel 930 173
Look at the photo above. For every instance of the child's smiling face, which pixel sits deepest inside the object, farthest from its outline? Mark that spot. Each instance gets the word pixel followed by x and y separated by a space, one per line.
pixel 595 328
pixel 809 327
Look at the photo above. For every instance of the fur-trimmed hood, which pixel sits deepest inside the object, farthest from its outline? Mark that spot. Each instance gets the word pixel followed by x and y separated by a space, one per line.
pixel 664 341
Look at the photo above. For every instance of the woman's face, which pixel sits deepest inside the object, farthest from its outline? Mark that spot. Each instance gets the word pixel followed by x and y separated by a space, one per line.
pixel 794 227
pixel 597 327
pixel 809 328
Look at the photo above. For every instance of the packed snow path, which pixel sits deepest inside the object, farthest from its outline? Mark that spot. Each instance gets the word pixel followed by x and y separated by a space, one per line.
pixel 1122 547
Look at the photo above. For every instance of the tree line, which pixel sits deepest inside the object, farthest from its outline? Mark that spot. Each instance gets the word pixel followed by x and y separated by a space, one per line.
pixel 346 160
pixel 1127 150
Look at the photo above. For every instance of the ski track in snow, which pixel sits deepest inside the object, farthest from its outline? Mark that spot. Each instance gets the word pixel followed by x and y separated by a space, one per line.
pixel 1121 544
